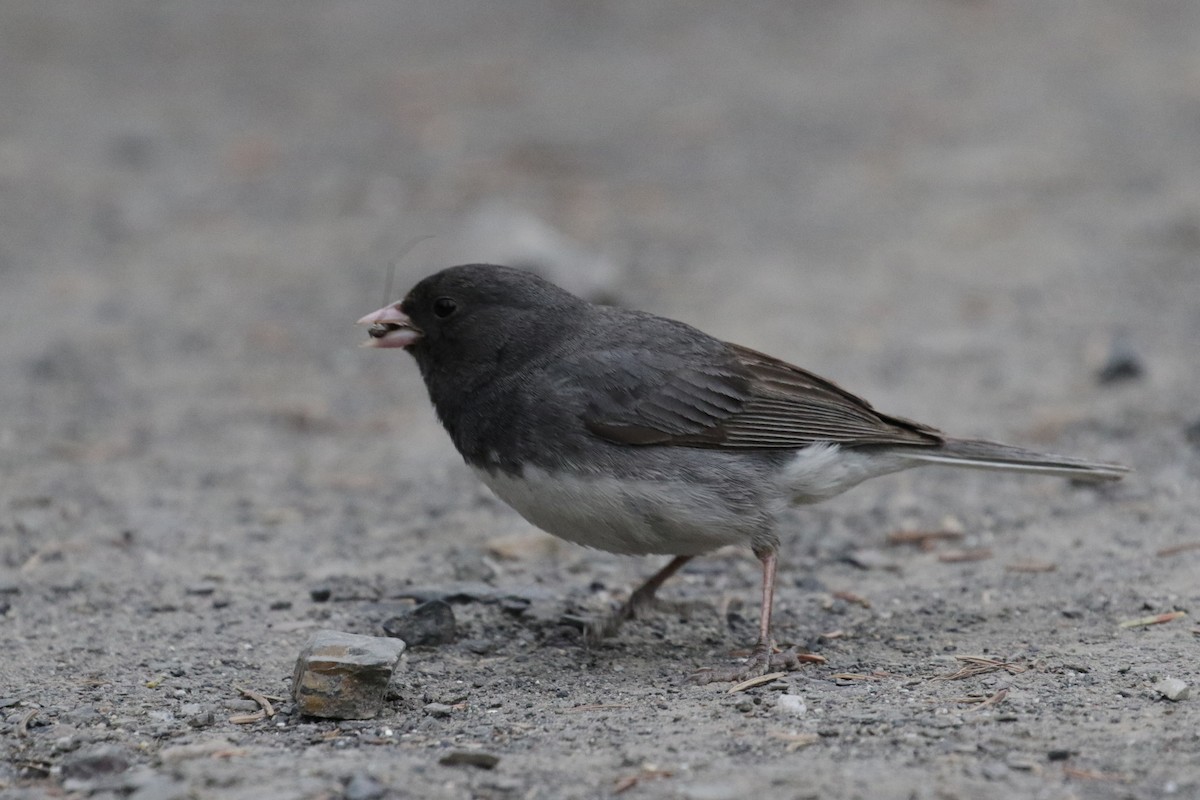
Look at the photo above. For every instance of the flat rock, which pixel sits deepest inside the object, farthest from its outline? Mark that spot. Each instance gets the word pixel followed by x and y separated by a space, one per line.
pixel 1173 689
pixel 95 762
pixel 344 675
pixel 429 624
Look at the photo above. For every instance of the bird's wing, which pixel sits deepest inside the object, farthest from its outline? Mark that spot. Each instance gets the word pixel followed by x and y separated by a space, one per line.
pixel 733 397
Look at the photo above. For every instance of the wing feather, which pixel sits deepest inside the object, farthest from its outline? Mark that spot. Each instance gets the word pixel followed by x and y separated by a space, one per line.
pixel 735 397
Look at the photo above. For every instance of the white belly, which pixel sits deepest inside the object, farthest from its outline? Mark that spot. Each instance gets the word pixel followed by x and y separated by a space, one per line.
pixel 621 516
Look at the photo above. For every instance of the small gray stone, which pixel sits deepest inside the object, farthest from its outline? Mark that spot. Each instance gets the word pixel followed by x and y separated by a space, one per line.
pixel 65 744
pixel 83 715
pixel 236 704
pixel 431 623
pixel 95 762
pixel 995 771
pixel 791 705
pixel 1173 689
pixel 364 787
pixel 344 675
pixel 439 710
pixel 871 559
pixel 202 719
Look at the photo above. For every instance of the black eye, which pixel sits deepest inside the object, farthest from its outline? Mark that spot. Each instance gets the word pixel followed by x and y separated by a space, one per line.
pixel 444 307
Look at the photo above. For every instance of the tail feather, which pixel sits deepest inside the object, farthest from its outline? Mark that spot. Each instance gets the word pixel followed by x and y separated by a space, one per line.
pixel 980 454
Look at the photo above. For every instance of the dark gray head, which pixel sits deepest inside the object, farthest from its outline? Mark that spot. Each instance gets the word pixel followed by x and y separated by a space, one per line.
pixel 470 324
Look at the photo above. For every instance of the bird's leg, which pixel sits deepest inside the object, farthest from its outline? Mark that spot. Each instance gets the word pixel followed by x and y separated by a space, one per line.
pixel 762 658
pixel 642 597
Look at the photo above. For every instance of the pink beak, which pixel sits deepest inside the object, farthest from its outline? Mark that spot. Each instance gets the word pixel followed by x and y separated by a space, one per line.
pixel 390 327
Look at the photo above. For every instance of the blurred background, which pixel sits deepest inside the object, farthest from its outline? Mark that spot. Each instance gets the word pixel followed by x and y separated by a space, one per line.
pixel 963 209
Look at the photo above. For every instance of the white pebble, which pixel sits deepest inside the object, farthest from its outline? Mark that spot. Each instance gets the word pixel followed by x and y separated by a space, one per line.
pixel 791 704
pixel 1173 689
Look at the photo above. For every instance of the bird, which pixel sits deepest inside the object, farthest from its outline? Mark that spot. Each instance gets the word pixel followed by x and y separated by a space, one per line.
pixel 633 433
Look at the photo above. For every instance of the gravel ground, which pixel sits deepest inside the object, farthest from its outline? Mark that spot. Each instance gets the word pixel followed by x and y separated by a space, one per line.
pixel 982 215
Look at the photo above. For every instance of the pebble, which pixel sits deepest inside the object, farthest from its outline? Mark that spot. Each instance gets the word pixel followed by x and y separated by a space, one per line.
pixel 344 675
pixel 83 715
pixel 870 559
pixel 364 787
pixel 1021 762
pixel 95 762
pixel 65 744
pixel 429 624
pixel 189 752
pixel 1123 363
pixel 1173 689
pixel 439 710
pixel 202 719
pixel 480 647
pixel 791 704
pixel 1192 433
pixel 469 758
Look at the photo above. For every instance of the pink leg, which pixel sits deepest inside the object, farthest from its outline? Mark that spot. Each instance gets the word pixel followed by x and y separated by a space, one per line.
pixel 762 659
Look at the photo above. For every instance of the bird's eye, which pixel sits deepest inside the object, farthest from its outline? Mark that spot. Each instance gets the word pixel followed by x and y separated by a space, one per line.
pixel 444 307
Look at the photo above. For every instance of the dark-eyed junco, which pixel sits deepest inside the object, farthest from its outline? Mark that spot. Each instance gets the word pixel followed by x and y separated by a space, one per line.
pixel 632 433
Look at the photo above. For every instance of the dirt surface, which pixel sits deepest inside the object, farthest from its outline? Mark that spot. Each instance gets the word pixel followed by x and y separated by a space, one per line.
pixel 961 210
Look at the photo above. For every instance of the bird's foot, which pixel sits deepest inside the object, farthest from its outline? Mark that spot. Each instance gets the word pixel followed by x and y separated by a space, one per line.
pixel 597 630
pixel 763 659
pixel 641 599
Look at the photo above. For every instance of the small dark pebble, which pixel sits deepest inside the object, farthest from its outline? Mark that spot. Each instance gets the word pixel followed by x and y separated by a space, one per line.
pixel 320 594
pixel 1123 364
pixel 202 719
pixel 480 647
pixel 280 605
pixel 1058 755
pixel 575 621
pixel 1192 433
pixel 515 605
pixel 469 758
pixel 431 623
pixel 201 589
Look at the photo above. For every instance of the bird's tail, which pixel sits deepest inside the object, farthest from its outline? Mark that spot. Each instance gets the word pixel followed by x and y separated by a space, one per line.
pixel 980 454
